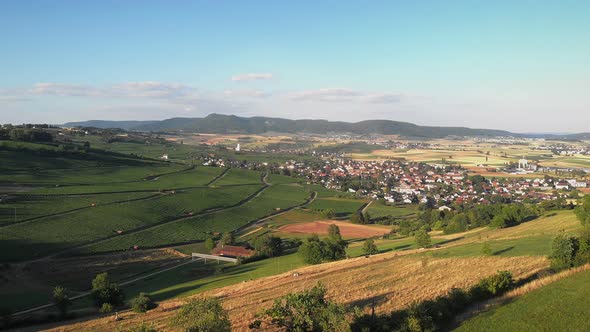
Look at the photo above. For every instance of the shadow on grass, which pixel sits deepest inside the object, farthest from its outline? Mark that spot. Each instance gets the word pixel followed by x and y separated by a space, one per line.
pixel 370 302
pixel 500 252
pixel 450 240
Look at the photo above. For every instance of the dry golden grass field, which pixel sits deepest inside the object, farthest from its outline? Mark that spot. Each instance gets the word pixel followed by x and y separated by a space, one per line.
pixel 391 281
pixel 347 230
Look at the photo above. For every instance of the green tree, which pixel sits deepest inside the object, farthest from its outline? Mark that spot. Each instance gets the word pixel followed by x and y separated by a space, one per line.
pixel 357 218
pixel 334 232
pixel 269 246
pixel 457 225
pixel 209 244
pixel 304 311
pixel 61 299
pixel 563 252
pixel 313 250
pixel 202 315
pixel 497 284
pixel 142 303
pixel 583 210
pixel 422 238
pixel 335 245
pixel 106 308
pixel 106 291
pixel 369 247
pixel 228 239
pixel 583 254
pixel 328 213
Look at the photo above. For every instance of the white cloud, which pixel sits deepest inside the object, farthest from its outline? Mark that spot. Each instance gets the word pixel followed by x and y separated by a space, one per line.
pixel 62 89
pixel 252 77
pixel 151 89
pixel 248 93
pixel 346 95
pixel 326 94
pixel 383 98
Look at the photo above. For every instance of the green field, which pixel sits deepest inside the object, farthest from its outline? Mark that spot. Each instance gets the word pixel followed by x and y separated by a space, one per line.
pixel 273 199
pixel 53 234
pixel 23 207
pixel 379 210
pixel 342 206
pixel 560 306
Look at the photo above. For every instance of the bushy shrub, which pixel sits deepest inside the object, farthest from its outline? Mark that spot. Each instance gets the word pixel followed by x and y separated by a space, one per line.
pixel 422 238
pixel 495 285
pixel 61 299
pixel 142 303
pixel 202 315
pixel 304 311
pixel 106 291
pixel 106 308
pixel 563 252
pixel 369 247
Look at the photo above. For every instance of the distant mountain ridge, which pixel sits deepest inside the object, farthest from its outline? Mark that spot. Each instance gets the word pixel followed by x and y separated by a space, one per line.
pixel 127 125
pixel 224 124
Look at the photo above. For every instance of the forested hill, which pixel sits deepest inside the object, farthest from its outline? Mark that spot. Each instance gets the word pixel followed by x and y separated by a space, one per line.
pixel 218 123
pixel 127 125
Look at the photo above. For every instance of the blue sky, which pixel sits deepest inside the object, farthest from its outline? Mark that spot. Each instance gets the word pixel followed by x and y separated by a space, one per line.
pixel 516 65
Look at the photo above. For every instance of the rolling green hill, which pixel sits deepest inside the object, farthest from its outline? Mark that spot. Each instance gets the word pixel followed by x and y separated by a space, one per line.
pixel 219 123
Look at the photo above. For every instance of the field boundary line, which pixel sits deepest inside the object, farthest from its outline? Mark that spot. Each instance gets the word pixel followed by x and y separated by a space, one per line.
pixel 125 283
pixel 30 220
pixel 366 206
pixel 218 177
pixel 257 193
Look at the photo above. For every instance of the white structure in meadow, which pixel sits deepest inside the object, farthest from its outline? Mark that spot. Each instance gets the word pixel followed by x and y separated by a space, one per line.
pixel 238 147
pixel 164 157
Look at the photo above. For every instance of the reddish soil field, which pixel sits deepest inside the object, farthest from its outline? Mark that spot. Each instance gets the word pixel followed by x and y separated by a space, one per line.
pixel 347 230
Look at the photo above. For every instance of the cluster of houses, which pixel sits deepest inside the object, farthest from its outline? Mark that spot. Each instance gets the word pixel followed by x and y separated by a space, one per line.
pixel 564 149
pixel 405 182
pixel 408 182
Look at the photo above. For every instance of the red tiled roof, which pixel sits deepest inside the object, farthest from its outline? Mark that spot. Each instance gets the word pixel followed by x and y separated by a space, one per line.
pixel 233 251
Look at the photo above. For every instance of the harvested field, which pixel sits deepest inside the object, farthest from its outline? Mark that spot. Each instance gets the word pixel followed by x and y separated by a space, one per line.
pixel 347 230
pixel 392 281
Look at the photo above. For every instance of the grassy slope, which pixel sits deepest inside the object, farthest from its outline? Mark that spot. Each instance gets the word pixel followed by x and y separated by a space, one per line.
pixel 57 233
pixel 199 228
pixel 378 209
pixel 560 306
pixel 342 206
pixel 23 207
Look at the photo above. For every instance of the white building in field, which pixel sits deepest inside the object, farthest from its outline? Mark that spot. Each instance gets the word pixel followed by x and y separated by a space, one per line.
pixel 238 147
pixel 164 157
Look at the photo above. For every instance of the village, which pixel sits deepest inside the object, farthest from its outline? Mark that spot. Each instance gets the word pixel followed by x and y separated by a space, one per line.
pixel 406 182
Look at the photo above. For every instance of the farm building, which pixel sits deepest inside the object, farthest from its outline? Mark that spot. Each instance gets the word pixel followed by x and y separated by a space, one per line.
pixel 232 251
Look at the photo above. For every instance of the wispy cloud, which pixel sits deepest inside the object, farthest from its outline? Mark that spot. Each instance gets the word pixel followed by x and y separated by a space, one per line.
pixel 327 94
pixel 248 93
pixel 151 89
pixel 252 77
pixel 345 95
pixel 61 89
pixel 145 89
pixel 383 98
